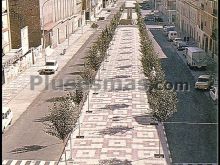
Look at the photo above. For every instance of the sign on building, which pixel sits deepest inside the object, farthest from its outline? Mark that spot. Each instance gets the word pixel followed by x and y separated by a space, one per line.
pixel 24 40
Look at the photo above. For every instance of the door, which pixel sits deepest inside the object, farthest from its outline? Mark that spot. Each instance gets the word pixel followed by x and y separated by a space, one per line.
pixel 3 76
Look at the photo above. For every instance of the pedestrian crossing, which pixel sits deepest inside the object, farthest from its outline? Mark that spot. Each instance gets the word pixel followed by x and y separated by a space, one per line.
pixel 28 162
pixel 194 163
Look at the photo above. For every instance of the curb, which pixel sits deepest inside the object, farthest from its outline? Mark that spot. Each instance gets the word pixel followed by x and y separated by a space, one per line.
pixel 167 143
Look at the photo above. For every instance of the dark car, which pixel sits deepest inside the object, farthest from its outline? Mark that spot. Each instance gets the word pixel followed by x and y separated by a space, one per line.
pixel 181 45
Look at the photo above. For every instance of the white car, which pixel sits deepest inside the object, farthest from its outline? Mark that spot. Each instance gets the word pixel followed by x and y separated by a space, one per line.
pixel 214 93
pixel 7 116
pixel 204 82
pixel 51 66
pixel 175 40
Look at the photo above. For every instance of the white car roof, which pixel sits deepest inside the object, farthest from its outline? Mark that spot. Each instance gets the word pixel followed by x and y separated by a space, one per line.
pixel 172 31
pixel 204 76
pixel 177 38
pixel 5 109
pixel 51 61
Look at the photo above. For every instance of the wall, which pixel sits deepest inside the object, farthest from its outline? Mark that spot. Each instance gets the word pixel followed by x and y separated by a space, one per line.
pixel 25 13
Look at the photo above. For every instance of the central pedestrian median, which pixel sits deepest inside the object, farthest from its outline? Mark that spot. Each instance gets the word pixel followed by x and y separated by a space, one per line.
pixel 115 125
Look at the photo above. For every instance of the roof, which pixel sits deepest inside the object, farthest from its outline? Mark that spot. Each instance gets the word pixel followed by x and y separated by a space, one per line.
pixel 5 109
pixel 205 76
pixel 172 31
pixel 51 60
pixel 195 49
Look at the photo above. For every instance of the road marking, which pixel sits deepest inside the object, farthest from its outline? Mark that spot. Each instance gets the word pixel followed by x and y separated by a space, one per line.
pixel 23 162
pixel 13 162
pixel 42 163
pixel 29 162
pixel 4 162
pixel 52 162
pixel 33 162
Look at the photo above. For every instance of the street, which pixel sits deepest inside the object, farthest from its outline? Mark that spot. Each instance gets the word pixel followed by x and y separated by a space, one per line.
pixel 118 126
pixel 194 143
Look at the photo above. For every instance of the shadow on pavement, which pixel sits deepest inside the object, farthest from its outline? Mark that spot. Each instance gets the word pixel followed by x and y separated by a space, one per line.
pixel 143 119
pixel 122 76
pixel 123 59
pixel 124 67
pixel 114 161
pixel 27 149
pixel 75 73
pixel 115 106
pixel 43 119
pixel 55 99
pixel 115 130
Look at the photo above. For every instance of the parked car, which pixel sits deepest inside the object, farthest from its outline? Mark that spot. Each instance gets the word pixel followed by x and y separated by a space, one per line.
pixel 51 66
pixel 168 28
pixel 204 82
pixel 214 93
pixel 181 45
pixel 176 40
pixel 149 19
pixel 7 116
pixel 172 35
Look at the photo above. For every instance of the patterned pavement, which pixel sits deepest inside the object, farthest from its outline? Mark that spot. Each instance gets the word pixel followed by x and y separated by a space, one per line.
pixel 118 129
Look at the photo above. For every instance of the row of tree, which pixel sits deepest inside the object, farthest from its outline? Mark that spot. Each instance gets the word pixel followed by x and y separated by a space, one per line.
pixel 163 102
pixel 65 112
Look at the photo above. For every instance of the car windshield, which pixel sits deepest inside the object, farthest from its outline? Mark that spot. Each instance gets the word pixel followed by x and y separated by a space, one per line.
pixel 203 79
pixel 178 39
pixel 50 63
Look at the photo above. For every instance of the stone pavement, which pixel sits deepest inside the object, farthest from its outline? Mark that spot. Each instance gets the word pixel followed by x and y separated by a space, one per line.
pixel 118 130
pixel 18 94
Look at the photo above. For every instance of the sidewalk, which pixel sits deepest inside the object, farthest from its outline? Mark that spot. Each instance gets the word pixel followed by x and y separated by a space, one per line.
pixel 18 94
pixel 118 130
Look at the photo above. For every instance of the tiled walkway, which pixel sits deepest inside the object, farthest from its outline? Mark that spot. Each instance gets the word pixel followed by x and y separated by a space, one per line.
pixel 118 131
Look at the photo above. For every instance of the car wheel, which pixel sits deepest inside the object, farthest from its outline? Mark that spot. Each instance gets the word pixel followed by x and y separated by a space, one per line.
pixel 10 122
pixel 3 130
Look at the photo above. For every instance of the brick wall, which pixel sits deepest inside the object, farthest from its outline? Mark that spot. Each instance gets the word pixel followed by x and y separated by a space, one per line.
pixel 25 13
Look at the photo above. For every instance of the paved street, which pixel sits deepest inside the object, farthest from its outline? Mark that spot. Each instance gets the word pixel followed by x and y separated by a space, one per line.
pixel 25 139
pixel 188 142
pixel 118 127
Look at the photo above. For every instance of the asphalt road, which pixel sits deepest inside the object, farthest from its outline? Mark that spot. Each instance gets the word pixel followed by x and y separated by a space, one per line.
pixel 26 140
pixel 189 143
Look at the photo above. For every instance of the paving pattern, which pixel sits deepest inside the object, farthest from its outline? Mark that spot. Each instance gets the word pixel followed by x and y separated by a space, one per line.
pixel 118 131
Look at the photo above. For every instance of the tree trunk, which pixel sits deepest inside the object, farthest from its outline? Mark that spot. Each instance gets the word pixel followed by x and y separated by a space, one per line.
pixel 64 154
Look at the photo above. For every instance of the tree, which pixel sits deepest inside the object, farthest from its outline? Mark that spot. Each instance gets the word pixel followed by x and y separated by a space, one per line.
pixel 88 76
pixel 163 102
pixel 61 119
pixel 94 59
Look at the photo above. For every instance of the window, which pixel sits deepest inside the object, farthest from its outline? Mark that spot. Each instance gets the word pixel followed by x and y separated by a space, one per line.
pixel 202 6
pixel 210 44
pixel 201 25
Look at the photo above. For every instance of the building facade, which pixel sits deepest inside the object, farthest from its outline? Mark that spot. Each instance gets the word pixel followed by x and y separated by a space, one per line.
pixel 198 19
pixel 6 38
pixel 168 7
pixel 56 19
pixel 60 18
